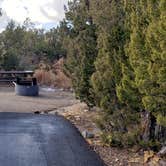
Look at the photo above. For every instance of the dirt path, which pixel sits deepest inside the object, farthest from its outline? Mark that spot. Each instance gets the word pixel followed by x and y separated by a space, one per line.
pixel 47 101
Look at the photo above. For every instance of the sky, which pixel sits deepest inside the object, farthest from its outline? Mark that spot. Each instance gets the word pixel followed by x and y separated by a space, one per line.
pixel 43 13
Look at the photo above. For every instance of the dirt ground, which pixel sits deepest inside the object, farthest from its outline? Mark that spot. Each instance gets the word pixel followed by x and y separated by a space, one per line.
pixel 48 100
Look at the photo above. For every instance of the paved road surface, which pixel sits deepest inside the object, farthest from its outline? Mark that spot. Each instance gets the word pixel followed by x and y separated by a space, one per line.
pixel 42 140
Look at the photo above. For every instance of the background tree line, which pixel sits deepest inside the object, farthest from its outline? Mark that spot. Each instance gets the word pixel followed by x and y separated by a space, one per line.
pixel 23 46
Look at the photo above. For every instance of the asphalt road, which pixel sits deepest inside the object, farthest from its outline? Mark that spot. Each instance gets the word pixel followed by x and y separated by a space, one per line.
pixel 42 140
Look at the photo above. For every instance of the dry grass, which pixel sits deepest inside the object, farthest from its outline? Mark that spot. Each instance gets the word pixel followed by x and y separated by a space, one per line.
pixel 53 75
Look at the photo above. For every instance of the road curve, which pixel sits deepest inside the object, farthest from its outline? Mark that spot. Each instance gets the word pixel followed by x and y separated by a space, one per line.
pixel 42 140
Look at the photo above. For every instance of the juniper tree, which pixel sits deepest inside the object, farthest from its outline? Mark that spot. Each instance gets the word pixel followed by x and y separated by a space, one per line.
pixel 127 78
pixel 109 17
pixel 146 63
pixel 81 49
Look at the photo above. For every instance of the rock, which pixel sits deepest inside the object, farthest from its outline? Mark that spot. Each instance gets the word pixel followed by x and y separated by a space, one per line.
pixel 141 152
pixel 62 89
pixel 77 118
pixel 162 152
pixel 96 109
pixel 37 112
pixel 53 112
pixel 86 110
pixel 116 160
pixel 71 90
pixel 148 155
pixel 87 134
pixel 76 107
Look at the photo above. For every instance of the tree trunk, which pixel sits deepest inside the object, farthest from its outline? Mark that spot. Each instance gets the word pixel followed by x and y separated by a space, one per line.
pixel 151 130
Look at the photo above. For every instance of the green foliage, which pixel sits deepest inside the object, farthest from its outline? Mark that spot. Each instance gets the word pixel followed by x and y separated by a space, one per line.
pixel 22 47
pixel 127 139
pixel 154 97
pixel 111 38
pixel 128 75
pixel 114 93
pixel 10 60
pixel 155 145
pixel 146 57
pixel 161 120
pixel 80 44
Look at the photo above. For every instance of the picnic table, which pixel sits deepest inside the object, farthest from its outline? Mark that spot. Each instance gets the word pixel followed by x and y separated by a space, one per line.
pixel 10 76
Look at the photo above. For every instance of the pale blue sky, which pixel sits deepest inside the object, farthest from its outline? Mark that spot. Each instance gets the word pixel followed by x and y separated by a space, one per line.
pixel 44 13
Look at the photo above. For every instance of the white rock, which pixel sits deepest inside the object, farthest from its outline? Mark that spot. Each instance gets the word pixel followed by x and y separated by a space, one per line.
pixel 87 134
pixel 116 159
pixel 162 152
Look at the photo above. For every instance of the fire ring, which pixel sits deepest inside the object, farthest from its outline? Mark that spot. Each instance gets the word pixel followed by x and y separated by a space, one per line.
pixel 26 88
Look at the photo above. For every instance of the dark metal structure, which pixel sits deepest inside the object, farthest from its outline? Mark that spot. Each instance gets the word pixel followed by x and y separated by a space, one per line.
pixel 25 83
pixel 10 76
pixel 26 87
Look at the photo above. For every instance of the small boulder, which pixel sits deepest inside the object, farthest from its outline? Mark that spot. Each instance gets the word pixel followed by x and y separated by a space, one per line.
pixel 116 160
pixel 162 152
pixel 87 134
pixel 77 118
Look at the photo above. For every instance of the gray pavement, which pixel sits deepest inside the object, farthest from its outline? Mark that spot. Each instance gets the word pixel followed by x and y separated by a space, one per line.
pixel 42 140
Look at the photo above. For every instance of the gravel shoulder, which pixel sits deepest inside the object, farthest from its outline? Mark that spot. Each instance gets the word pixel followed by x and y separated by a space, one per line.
pixel 47 101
